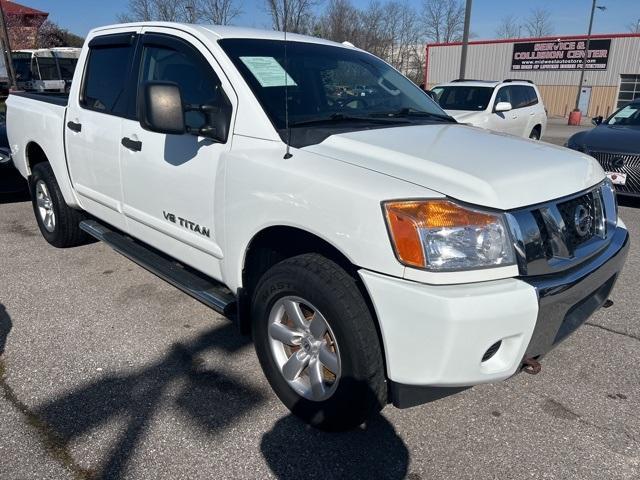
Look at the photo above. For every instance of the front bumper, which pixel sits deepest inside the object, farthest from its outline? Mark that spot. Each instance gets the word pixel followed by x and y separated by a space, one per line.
pixel 435 337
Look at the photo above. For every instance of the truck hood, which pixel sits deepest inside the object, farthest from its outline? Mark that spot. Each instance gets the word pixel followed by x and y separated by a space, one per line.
pixel 472 165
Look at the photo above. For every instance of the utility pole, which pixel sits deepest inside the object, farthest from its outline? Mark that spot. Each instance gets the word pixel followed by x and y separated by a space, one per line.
pixel 465 39
pixel 6 50
pixel 586 51
pixel 192 13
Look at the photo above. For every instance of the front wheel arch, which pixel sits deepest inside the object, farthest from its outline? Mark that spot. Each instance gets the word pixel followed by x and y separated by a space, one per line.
pixel 277 243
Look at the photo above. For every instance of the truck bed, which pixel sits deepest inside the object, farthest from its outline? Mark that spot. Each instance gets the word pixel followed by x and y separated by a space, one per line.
pixel 55 98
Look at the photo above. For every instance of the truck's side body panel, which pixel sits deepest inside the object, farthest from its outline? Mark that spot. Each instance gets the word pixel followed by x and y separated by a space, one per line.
pixel 94 152
pixel 157 205
pixel 31 121
pixel 340 204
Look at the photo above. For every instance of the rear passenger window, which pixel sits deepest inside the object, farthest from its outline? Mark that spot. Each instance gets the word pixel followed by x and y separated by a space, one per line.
pixel 105 78
pixel 524 96
pixel 518 96
pixel 532 96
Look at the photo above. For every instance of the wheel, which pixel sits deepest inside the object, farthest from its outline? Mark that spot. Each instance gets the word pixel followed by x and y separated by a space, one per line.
pixel 58 222
pixel 317 343
pixel 535 134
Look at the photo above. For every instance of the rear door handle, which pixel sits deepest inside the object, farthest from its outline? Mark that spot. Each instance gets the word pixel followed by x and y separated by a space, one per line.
pixel 76 127
pixel 132 145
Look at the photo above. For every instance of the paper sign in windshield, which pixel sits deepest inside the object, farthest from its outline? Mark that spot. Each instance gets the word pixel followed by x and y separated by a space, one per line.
pixel 268 71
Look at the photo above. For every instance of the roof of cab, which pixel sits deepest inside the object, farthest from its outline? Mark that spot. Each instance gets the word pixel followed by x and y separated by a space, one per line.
pixel 218 32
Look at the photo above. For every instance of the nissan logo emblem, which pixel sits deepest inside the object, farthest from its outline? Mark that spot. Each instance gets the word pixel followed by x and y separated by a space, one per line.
pixel 617 162
pixel 583 220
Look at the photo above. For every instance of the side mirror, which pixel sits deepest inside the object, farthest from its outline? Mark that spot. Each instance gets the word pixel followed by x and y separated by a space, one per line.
pixel 503 107
pixel 597 120
pixel 217 120
pixel 430 93
pixel 160 108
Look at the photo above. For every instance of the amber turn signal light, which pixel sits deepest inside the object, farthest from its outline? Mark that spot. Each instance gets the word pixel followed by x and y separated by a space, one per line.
pixel 406 219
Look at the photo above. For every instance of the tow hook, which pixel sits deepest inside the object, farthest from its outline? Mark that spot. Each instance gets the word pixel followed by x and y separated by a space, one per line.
pixel 608 303
pixel 531 365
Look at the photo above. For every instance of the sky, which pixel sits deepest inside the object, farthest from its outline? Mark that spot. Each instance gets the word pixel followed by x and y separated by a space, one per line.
pixel 569 16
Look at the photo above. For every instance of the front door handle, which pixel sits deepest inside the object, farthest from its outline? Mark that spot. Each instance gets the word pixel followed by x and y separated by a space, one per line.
pixel 132 145
pixel 76 127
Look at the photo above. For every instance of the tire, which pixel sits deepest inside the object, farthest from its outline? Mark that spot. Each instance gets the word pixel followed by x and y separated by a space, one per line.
pixel 58 223
pixel 359 389
pixel 535 134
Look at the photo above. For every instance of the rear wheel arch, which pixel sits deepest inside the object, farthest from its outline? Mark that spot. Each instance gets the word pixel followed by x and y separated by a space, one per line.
pixel 537 129
pixel 34 154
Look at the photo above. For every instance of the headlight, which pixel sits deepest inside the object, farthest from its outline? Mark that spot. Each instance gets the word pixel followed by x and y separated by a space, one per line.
pixel 440 235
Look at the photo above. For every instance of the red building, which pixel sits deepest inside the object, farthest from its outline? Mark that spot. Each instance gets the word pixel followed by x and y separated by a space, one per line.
pixel 22 24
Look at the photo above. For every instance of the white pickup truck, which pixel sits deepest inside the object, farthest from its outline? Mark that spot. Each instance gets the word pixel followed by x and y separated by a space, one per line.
pixel 377 250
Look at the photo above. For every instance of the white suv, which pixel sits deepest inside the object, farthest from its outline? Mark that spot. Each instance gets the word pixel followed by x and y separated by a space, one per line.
pixel 510 106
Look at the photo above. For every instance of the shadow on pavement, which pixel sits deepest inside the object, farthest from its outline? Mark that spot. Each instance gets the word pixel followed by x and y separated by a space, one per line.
pixel 13 188
pixel 294 450
pixel 212 399
pixel 5 327
pixel 14 197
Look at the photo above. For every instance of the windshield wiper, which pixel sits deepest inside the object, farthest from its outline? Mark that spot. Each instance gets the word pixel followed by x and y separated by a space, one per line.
pixel 341 117
pixel 411 112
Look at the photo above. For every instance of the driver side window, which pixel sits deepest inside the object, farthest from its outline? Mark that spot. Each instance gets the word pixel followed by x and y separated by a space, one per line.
pixel 198 84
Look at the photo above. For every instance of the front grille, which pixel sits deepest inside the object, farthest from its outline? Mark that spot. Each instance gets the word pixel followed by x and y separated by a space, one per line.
pixel 630 165
pixel 560 234
pixel 568 212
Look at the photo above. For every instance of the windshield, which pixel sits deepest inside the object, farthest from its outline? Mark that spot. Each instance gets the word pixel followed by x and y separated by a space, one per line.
pixel 326 83
pixel 629 115
pixel 469 98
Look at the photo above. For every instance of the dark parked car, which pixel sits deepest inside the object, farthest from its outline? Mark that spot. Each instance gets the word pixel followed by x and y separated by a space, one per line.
pixel 615 143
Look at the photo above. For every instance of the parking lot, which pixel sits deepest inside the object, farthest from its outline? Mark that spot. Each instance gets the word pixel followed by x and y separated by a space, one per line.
pixel 108 371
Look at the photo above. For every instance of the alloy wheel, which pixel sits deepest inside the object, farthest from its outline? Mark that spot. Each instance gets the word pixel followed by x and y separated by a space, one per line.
pixel 304 348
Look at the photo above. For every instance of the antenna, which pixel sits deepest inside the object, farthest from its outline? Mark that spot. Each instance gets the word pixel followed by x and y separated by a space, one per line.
pixel 287 154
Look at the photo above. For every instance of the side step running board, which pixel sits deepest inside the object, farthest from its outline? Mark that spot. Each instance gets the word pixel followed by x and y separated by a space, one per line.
pixel 211 293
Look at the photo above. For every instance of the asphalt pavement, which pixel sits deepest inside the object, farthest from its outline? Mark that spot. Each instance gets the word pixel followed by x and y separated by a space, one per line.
pixel 108 372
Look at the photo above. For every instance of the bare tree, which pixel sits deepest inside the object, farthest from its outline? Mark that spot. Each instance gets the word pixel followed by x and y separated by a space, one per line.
pixel 340 22
pixel 539 23
pixel 402 32
pixel 220 12
pixel 443 20
pixel 634 27
pixel 50 35
pixel 508 27
pixel 161 10
pixel 138 10
pixel 389 30
pixel 298 14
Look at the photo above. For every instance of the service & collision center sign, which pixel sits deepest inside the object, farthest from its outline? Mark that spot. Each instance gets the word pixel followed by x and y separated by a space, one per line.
pixel 560 55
